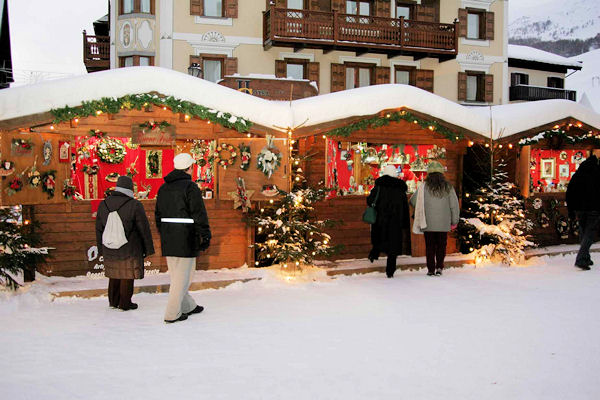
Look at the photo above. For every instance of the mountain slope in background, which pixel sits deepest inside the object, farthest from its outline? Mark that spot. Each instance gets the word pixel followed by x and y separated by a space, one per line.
pixel 555 20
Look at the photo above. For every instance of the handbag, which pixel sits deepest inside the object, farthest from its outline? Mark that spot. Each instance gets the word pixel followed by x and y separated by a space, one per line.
pixel 370 214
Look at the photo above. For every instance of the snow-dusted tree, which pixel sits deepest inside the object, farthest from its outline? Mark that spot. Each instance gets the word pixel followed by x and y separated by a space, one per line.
pixel 495 223
pixel 18 248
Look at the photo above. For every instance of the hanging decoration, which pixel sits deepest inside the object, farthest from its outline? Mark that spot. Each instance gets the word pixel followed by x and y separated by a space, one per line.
pixel 21 147
pixel 7 168
pixel 269 158
pixel 132 171
pixel 49 183
pixel 111 151
pixel 90 169
pixel 153 164
pixel 574 223
pixel 203 151
pixel 558 136
pixel 245 156
pixel 63 152
pixel 144 194
pixel 112 177
pixel 15 185
pixel 97 133
pixel 151 133
pixel 396 116
pixel 225 155
pixel 141 101
pixel 543 219
pixel 562 227
pixel 68 191
pixel 153 125
pixel 33 177
pixel 241 197
pixel 47 152
pixel 269 190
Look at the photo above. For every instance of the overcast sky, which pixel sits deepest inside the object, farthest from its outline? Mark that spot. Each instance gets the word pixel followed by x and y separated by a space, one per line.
pixel 47 41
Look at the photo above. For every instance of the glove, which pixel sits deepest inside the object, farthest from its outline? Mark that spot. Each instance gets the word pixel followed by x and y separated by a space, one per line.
pixel 204 245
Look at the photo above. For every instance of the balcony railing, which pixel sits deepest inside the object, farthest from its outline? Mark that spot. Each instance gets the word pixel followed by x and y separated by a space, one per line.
pixel 532 93
pixel 336 31
pixel 96 52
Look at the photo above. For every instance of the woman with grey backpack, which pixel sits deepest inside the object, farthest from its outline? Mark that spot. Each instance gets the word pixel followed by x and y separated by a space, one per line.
pixel 436 213
pixel 124 239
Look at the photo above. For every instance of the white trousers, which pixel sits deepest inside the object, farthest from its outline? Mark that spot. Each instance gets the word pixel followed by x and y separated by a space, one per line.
pixel 181 270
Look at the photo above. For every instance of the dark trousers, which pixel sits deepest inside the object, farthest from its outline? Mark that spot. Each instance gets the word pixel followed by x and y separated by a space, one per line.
pixel 390 266
pixel 435 249
pixel 120 292
pixel 588 228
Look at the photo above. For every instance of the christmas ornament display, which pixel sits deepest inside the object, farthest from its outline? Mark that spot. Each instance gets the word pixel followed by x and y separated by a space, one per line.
pixel 68 190
pixel 153 164
pixel 90 169
pixel 47 152
pixel 225 155
pixel 7 168
pixel 269 158
pixel 21 147
pixel 34 177
pixel 15 185
pixel 112 177
pixel 241 197
pixel 49 183
pixel 111 151
pixel 245 156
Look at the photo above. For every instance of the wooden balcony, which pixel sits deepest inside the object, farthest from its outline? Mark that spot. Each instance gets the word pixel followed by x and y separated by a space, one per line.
pixel 96 52
pixel 533 93
pixel 361 34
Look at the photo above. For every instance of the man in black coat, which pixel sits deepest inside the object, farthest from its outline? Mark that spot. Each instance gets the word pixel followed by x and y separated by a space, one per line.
pixel 184 232
pixel 583 201
pixel 390 232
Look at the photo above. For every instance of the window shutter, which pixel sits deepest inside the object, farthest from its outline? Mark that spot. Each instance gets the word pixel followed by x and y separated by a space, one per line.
pixel 462 86
pixel 231 8
pixel 339 5
pixel 382 8
pixel 196 7
pixel 424 79
pixel 314 5
pixel 280 69
pixel 489 25
pixel 462 22
pixel 313 72
pixel 488 95
pixel 338 77
pixel 281 3
pixel 425 13
pixel 231 66
pixel 382 75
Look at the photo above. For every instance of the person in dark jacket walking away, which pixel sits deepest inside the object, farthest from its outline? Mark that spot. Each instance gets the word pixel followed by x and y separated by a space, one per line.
pixel 389 233
pixel 126 263
pixel 436 213
pixel 184 232
pixel 583 202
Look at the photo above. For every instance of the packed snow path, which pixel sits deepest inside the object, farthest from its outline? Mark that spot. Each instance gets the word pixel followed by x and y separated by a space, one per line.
pixel 486 333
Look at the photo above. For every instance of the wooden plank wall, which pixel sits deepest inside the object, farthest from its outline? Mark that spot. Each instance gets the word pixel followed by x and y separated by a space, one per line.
pixel 70 229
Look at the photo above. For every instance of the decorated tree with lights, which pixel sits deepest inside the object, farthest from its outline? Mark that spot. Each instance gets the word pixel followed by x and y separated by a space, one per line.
pixel 494 223
pixel 18 248
pixel 288 231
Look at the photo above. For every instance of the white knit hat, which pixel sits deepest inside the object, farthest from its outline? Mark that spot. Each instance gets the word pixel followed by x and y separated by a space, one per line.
pixel 183 161
pixel 390 170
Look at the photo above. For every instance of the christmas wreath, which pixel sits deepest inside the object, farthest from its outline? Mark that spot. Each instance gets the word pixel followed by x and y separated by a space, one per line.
pixel 33 177
pixel 90 169
pixel 68 190
pixel 246 155
pixel 111 151
pixel 49 183
pixel 201 149
pixel 269 158
pixel 15 185
pixel 225 155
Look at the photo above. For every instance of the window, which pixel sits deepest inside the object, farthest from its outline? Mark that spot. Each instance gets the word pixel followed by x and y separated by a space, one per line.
pixel 295 4
pixel 556 82
pixel 213 8
pixel 475 86
pixel 137 6
pixel 295 69
pixel 135 61
pixel 358 75
pixel 359 7
pixel 517 78
pixel 212 68
pixel 404 75
pixel 403 10
pixel 475 27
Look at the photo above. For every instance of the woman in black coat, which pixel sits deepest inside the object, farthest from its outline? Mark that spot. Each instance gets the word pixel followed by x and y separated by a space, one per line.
pixel 389 234
pixel 126 263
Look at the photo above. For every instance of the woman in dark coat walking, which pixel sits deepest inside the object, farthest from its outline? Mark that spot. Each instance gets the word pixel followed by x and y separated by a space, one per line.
pixel 126 263
pixel 389 234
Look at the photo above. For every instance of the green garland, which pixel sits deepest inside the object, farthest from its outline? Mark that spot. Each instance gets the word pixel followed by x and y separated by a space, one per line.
pixel 395 116
pixel 111 105
pixel 561 134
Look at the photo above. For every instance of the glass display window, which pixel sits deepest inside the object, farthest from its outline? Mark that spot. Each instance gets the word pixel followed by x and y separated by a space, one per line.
pixel 551 170
pixel 352 167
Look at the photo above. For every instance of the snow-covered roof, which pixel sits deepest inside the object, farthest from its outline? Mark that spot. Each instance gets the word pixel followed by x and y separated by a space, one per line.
pixel 587 81
pixel 532 54
pixel 40 98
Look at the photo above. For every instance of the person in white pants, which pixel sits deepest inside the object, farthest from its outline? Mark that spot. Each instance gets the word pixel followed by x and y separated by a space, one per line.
pixel 182 222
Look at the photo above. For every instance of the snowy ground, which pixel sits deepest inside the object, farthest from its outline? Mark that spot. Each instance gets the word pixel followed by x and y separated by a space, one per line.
pixel 475 333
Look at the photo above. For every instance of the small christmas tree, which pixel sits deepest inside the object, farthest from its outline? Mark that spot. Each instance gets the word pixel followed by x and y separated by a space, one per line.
pixel 495 223
pixel 18 247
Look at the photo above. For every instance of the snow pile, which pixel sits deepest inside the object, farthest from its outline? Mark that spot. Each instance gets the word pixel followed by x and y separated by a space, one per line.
pixel 532 54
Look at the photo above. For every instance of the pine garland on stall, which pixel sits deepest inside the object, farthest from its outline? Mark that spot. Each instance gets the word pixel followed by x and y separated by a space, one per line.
pixel 18 247
pixel 496 226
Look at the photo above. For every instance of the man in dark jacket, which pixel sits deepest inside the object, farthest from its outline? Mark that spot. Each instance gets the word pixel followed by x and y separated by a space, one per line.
pixel 390 233
pixel 124 264
pixel 184 232
pixel 583 201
